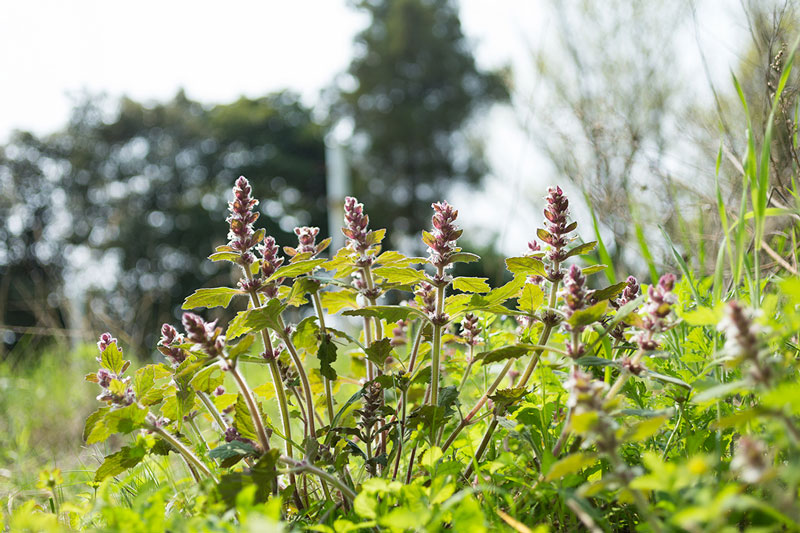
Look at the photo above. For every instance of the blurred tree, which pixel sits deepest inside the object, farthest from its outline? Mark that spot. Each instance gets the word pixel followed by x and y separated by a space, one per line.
pixel 147 188
pixel 415 87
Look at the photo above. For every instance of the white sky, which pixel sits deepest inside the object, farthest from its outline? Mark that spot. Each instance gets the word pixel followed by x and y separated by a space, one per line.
pixel 217 51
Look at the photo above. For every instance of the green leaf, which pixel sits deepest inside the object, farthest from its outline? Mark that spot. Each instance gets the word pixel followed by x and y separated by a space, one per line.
pixel 580 423
pixel 233 257
pixel 94 419
pixel 335 301
pixel 119 462
pixel 306 334
pixel 645 429
pixel 375 236
pixel 503 398
pixel 702 316
pixel 609 292
pixel 584 317
pixel 241 347
pixel 242 420
pixel 591 360
pixel 525 265
pixel 327 356
pixel 402 275
pixel 593 269
pixel 471 284
pixel 389 313
pixel 256 319
pixel 208 379
pixel 111 359
pixel 216 297
pixel 531 298
pixel 144 383
pixel 296 269
pixel 501 354
pixel 123 420
pixel 300 288
pixel 392 258
pixel 571 464
pixel 464 257
pixel 582 249
pixel 379 351
pixel 235 448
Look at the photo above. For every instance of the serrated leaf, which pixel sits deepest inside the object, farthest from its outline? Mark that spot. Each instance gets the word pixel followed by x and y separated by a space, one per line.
pixel 503 398
pixel 111 359
pixel 242 420
pixel 298 291
pixel 526 265
pixel 296 269
pixel 93 420
pixel 306 334
pixel 609 292
pixel 241 347
pixel 216 297
pixel 389 313
pixel 571 464
pixel 123 420
pixel 584 317
pixel 119 462
pixel 467 284
pixel 401 275
pixel 235 448
pixel 327 356
pixel 392 258
pixel 208 379
pixel 379 351
pixel 582 249
pixel 531 298
pixel 256 319
pixel 501 354
pixel 335 301
pixel 375 236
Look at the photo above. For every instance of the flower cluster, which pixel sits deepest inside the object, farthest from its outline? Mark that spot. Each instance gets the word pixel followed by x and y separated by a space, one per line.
pixel 205 334
pixel 426 294
pixel 241 236
pixel 399 333
pixel 470 329
pixel 442 240
pixel 656 310
pixel 742 342
pixel 355 222
pixel 270 262
pixel 307 242
pixel 169 345
pixel 629 294
pixel 576 297
pixel 587 395
pixel 556 228
pixel 117 391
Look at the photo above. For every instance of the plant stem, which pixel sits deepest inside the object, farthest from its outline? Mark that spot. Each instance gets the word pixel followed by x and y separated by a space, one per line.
pixel 323 333
pixel 467 370
pixel 623 377
pixel 304 466
pixel 298 363
pixel 255 413
pixel 190 457
pixel 436 347
pixel 212 410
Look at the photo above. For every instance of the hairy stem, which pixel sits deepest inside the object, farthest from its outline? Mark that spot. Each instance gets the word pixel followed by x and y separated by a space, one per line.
pixel 298 363
pixel 187 454
pixel 323 333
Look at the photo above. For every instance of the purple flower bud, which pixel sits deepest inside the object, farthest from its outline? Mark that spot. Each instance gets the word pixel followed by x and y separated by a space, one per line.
pixel 307 239
pixel 105 341
pixel 445 233
pixel 556 212
pixel 241 235
pixel 630 292
pixel 355 225
pixel 206 334
pixel 399 333
pixel 470 329
pixel 656 310
pixel 575 294
pixel 104 377
pixel 427 294
pixel 219 391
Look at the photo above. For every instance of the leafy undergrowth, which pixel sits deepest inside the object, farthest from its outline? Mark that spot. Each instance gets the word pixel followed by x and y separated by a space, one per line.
pixel 552 402
pixel 539 404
